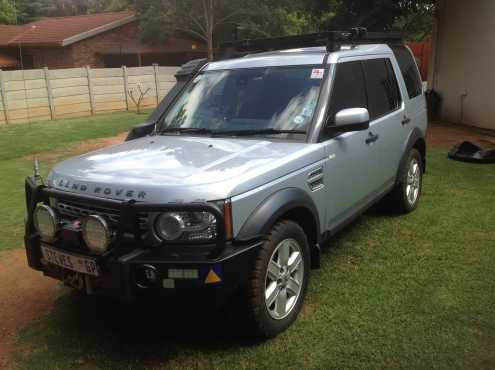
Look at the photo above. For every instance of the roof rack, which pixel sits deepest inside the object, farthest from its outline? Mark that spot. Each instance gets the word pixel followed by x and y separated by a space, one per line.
pixel 333 40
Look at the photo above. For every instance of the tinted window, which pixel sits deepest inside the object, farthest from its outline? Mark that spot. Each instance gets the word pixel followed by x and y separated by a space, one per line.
pixel 409 71
pixel 349 90
pixel 381 84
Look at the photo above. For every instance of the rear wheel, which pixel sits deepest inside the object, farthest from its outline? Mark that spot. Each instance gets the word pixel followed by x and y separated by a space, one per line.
pixel 277 285
pixel 405 196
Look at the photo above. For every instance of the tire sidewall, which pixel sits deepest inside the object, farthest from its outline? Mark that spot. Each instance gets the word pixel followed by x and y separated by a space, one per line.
pixel 284 230
pixel 413 155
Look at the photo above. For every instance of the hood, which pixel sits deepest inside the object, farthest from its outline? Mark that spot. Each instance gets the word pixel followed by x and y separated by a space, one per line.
pixel 181 168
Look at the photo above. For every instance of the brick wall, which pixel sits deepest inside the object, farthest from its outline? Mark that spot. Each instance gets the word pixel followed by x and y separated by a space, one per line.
pixel 86 52
pixel 52 57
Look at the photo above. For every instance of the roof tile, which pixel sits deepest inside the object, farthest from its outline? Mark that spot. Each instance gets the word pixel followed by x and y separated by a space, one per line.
pixel 54 30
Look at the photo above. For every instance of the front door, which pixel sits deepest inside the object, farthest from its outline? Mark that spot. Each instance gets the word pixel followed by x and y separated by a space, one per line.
pixel 351 157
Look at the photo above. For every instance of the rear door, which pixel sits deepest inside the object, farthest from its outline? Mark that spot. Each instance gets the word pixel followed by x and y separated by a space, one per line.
pixel 410 79
pixel 386 108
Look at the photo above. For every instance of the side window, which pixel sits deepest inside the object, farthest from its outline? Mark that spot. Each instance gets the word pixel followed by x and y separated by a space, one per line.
pixel 381 85
pixel 349 89
pixel 409 71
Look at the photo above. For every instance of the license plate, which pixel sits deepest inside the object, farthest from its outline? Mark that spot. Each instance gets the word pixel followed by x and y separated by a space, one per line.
pixel 69 261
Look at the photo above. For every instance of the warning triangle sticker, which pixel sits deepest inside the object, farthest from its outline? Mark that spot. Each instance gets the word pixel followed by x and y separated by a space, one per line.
pixel 212 278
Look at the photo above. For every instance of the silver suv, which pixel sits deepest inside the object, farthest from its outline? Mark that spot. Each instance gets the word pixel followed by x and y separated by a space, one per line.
pixel 247 166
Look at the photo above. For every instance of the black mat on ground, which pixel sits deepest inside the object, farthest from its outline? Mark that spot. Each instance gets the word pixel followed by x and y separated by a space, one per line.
pixel 469 152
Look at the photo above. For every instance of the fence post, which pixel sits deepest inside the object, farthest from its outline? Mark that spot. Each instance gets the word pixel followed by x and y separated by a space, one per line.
pixel 50 93
pixel 3 93
pixel 90 91
pixel 126 92
pixel 155 72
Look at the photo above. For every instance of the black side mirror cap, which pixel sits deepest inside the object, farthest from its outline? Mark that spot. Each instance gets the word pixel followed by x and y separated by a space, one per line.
pixel 140 131
pixel 351 127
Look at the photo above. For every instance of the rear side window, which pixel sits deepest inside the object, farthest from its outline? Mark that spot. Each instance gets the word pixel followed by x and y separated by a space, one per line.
pixel 349 89
pixel 409 71
pixel 381 85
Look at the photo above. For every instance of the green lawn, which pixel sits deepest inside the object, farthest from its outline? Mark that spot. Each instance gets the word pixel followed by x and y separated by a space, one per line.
pixel 18 141
pixel 416 291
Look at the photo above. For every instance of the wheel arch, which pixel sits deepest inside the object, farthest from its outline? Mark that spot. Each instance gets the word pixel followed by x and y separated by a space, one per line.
pixel 287 204
pixel 417 141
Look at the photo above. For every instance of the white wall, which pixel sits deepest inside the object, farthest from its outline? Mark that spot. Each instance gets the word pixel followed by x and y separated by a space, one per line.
pixel 464 61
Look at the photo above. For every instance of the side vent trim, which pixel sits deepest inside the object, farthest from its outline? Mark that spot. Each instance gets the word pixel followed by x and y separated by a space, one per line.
pixel 315 179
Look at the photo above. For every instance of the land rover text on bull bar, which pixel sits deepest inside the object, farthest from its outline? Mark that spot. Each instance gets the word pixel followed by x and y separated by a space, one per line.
pixel 246 167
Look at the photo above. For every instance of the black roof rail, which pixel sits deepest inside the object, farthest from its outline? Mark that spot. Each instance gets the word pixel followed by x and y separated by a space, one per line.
pixel 333 40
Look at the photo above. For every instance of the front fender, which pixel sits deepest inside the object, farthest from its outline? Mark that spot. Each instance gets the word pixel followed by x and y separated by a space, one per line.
pixel 262 219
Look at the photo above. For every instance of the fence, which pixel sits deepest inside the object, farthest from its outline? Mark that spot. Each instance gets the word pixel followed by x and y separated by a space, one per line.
pixel 422 51
pixel 43 94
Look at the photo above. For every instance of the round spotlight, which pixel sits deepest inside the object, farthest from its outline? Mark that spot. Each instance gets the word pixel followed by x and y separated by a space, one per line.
pixel 169 226
pixel 45 222
pixel 96 234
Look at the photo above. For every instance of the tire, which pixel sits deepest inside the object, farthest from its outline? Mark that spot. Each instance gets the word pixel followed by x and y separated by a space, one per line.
pixel 285 242
pixel 405 196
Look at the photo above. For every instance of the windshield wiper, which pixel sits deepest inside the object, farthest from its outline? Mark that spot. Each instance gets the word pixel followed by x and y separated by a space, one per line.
pixel 187 130
pixel 267 131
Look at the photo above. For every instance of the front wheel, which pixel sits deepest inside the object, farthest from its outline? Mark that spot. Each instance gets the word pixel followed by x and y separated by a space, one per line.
pixel 277 285
pixel 405 196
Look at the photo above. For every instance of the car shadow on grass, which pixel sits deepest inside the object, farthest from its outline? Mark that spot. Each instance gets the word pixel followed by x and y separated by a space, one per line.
pixel 94 328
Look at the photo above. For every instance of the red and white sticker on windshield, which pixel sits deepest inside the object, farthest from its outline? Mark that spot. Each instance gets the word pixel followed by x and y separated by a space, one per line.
pixel 317 73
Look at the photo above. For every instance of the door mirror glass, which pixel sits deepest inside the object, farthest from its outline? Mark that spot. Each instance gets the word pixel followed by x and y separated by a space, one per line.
pixel 352 119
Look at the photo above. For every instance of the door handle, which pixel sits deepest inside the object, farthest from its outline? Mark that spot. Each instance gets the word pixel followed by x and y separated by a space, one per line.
pixel 371 138
pixel 406 121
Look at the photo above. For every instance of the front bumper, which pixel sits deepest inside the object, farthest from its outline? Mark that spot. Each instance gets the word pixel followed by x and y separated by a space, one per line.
pixel 214 272
pixel 121 275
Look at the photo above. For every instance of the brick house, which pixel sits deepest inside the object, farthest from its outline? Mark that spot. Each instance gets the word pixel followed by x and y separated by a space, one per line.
pixel 98 40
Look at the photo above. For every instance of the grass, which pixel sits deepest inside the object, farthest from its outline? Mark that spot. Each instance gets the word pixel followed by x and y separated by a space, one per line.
pixel 416 291
pixel 18 141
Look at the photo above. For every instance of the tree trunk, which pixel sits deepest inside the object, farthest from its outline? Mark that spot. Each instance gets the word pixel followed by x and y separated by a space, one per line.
pixel 209 10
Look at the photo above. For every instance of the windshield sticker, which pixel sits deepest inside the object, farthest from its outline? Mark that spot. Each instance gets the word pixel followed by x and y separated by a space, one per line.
pixel 309 108
pixel 299 120
pixel 317 73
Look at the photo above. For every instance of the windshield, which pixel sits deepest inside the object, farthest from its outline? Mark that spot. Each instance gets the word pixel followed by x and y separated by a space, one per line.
pixel 274 100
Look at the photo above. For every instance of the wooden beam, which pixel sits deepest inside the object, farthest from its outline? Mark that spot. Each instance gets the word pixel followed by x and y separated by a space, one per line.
pixel 49 93
pixel 3 93
pixel 157 90
pixel 90 91
pixel 126 87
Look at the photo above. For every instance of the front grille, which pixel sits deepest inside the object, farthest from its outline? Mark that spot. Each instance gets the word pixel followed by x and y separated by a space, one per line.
pixel 77 210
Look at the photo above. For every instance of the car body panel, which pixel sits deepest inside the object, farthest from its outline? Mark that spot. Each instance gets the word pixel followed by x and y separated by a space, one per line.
pixel 182 168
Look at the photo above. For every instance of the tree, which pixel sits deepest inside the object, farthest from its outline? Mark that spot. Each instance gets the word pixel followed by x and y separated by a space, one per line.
pixel 412 17
pixel 7 12
pixel 161 19
pixel 31 10
pixel 205 19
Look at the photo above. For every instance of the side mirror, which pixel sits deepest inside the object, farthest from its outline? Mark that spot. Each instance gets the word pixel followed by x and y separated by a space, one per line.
pixel 352 119
pixel 140 131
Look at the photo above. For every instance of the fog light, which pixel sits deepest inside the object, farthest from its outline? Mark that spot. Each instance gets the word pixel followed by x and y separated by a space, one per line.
pixel 45 222
pixel 96 234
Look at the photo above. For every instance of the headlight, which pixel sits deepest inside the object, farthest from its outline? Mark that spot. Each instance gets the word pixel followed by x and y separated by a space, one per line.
pixel 45 222
pixel 194 226
pixel 96 234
